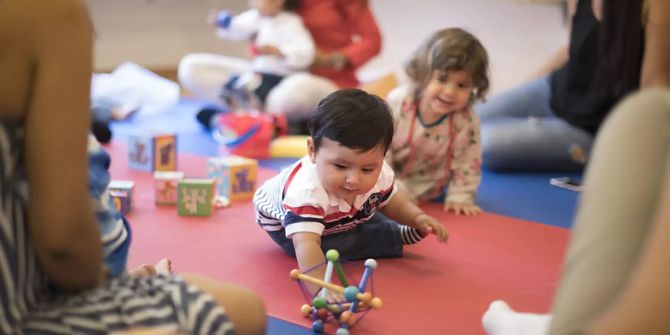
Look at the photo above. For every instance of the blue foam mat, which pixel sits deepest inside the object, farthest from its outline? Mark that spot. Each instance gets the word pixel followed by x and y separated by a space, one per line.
pixel 528 196
pixel 281 327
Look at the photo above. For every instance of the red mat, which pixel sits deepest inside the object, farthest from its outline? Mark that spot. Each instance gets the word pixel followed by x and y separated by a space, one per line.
pixel 433 289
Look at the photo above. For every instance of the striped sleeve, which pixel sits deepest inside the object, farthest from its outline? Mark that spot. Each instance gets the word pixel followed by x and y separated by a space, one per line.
pixel 305 204
pixel 305 218
pixel 268 202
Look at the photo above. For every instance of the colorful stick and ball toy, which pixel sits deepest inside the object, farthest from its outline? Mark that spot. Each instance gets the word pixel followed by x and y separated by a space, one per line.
pixel 325 307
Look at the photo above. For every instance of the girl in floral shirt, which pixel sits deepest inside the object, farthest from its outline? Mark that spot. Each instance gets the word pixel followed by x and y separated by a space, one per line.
pixel 436 144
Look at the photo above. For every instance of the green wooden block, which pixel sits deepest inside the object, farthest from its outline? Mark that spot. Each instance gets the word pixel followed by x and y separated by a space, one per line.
pixel 195 197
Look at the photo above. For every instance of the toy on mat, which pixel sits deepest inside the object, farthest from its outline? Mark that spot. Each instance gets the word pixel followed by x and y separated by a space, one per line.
pixel 356 299
pixel 195 197
pixel 122 193
pixel 249 134
pixel 235 176
pixel 165 183
pixel 152 152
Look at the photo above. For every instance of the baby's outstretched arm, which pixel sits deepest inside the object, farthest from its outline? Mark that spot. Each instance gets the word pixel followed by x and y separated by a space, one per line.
pixel 403 211
pixel 308 253
pixel 428 224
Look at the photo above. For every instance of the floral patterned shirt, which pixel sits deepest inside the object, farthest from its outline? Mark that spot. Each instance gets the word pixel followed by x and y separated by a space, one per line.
pixel 428 158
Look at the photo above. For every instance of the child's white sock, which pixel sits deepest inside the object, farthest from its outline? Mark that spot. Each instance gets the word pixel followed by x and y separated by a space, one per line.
pixel 410 235
pixel 500 319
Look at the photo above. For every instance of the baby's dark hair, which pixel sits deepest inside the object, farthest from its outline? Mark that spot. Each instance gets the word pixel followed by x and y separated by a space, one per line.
pixel 291 5
pixel 447 50
pixel 354 119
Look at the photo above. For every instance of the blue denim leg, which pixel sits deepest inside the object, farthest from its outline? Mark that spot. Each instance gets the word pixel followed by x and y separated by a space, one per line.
pixel 519 131
pixel 379 237
pixel 529 99
pixel 532 144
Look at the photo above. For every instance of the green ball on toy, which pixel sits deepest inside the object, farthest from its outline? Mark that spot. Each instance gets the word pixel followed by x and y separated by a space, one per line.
pixel 332 255
pixel 319 302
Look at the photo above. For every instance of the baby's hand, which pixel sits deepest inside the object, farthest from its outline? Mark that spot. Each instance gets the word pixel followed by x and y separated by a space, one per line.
pixel 427 224
pixel 331 297
pixel 220 19
pixel 269 50
pixel 460 208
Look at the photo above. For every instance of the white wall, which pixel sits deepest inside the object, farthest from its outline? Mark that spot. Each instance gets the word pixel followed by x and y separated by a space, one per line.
pixel 157 33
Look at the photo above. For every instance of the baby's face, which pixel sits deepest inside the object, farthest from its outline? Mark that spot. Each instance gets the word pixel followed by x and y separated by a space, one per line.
pixel 446 92
pixel 267 7
pixel 345 172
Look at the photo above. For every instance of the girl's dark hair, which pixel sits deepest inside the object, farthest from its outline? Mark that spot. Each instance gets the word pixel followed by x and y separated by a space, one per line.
pixel 354 119
pixel 291 5
pixel 621 47
pixel 447 50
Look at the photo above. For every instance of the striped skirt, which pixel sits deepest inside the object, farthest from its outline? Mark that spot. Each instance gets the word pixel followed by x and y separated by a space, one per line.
pixel 161 303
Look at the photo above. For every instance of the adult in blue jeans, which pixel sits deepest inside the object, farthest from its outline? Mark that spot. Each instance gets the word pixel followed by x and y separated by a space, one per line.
pixel 549 123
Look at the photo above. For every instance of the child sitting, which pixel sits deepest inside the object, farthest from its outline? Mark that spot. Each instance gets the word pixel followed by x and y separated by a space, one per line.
pixel 114 229
pixel 329 199
pixel 281 45
pixel 436 144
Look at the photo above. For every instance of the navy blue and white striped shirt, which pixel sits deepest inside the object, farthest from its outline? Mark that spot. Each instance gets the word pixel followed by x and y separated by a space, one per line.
pixel 305 206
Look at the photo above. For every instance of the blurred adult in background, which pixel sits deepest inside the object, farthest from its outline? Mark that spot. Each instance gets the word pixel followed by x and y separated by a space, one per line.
pixel 549 123
pixel 346 36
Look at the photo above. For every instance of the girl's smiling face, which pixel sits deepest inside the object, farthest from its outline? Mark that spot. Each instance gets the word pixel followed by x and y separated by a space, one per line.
pixel 446 92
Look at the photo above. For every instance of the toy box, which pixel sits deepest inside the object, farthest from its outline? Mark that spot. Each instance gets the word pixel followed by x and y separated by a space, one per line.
pixel 249 134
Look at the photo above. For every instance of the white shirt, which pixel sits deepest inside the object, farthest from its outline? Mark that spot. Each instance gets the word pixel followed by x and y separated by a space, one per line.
pixel 284 31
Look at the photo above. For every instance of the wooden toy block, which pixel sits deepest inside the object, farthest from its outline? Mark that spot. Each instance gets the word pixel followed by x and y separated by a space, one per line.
pixel 122 202
pixel 235 176
pixel 152 152
pixel 122 193
pixel 165 183
pixel 195 197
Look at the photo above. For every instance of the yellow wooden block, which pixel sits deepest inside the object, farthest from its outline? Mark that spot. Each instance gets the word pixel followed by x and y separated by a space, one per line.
pixel 290 146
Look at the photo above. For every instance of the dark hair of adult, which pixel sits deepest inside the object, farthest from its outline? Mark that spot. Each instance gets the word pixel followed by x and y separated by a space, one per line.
pixel 354 119
pixel 621 46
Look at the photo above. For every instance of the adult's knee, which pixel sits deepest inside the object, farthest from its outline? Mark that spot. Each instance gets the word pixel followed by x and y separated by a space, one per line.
pixel 187 66
pixel 649 108
pixel 243 306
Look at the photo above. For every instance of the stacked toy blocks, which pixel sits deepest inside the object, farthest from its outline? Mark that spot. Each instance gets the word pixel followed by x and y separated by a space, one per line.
pixel 152 152
pixel 235 176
